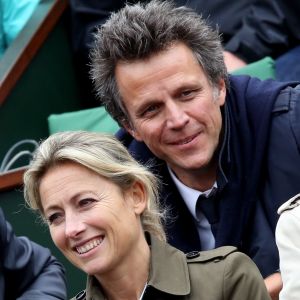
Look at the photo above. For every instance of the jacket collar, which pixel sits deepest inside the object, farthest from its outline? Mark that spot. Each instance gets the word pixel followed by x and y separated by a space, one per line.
pixel 93 289
pixel 224 152
pixel 165 261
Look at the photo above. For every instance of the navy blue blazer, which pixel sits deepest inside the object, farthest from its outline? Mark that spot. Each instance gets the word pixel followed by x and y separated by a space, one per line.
pixel 258 170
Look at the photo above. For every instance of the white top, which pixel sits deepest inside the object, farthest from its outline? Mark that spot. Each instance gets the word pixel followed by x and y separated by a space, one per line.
pixel 288 243
pixel 190 197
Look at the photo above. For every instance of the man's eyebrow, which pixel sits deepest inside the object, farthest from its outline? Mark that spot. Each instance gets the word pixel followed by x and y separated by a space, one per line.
pixel 187 86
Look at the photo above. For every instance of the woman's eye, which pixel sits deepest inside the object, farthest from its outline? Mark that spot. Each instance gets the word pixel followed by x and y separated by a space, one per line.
pixel 86 202
pixel 54 218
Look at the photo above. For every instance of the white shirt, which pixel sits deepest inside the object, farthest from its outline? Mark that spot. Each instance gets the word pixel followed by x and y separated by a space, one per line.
pixel 190 197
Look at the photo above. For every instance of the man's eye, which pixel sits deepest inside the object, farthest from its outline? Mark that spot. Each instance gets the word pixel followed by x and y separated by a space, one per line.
pixel 190 93
pixel 186 93
pixel 150 110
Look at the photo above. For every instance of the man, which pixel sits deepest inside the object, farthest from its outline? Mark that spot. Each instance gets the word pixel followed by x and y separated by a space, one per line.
pixel 233 141
pixel 28 271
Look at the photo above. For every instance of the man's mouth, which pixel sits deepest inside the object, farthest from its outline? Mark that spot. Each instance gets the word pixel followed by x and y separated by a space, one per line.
pixel 185 141
pixel 89 245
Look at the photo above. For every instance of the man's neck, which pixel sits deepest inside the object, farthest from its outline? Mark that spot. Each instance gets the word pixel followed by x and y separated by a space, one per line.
pixel 201 180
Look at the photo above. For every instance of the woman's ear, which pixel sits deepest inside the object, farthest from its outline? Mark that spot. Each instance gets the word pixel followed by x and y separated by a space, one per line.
pixel 138 196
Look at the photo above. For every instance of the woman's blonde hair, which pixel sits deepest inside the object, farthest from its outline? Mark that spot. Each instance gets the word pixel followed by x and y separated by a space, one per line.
pixel 103 154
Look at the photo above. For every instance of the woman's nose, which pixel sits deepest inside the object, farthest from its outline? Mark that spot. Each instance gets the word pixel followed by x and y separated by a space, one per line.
pixel 73 226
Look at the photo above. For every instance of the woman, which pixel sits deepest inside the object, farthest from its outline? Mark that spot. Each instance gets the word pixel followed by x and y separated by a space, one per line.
pixel 101 208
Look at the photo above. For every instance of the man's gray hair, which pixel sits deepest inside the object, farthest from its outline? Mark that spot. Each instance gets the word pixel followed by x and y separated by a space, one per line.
pixel 142 30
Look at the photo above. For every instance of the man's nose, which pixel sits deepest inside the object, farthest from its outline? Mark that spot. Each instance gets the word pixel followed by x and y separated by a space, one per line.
pixel 176 116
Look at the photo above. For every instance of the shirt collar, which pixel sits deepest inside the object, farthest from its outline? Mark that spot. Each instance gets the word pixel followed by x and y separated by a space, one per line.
pixel 189 195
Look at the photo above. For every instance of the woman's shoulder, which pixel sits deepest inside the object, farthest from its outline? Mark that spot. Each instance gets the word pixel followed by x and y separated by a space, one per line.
pixel 214 255
pixel 225 273
pixel 212 263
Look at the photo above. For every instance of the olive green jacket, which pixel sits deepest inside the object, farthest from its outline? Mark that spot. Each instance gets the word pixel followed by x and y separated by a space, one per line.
pixel 219 274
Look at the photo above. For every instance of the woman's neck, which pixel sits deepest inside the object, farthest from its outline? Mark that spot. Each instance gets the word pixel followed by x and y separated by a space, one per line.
pixel 129 280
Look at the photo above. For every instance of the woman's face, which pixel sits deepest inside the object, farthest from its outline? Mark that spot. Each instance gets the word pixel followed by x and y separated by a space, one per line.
pixel 95 225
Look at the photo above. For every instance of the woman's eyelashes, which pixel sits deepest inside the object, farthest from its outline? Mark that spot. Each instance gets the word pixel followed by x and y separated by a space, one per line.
pixel 54 218
pixel 86 202
pixel 81 204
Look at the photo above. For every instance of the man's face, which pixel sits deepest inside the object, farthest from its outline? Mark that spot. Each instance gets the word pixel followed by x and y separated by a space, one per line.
pixel 173 108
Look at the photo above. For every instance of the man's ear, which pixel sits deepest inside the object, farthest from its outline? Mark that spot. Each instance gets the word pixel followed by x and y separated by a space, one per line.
pixel 222 92
pixel 130 129
pixel 138 196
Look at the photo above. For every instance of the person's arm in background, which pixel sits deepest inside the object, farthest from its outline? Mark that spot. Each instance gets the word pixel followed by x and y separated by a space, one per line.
pixel 274 285
pixel 28 270
pixel 233 62
pixel 264 31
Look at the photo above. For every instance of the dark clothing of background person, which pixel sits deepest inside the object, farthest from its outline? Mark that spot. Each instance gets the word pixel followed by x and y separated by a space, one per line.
pixel 258 170
pixel 85 16
pixel 255 29
pixel 27 270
